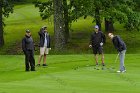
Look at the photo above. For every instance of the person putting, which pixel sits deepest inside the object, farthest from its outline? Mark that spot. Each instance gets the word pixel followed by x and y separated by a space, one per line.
pixel 28 49
pixel 96 43
pixel 121 48
pixel 44 45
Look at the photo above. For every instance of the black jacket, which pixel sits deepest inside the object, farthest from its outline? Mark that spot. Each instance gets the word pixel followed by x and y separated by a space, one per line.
pixel 27 43
pixel 118 43
pixel 42 39
pixel 97 38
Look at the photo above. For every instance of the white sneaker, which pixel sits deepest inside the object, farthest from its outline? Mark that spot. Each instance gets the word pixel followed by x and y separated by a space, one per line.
pixel 121 71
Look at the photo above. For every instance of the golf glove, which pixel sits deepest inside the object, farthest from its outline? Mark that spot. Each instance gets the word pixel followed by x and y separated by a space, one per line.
pixel 101 44
pixel 90 46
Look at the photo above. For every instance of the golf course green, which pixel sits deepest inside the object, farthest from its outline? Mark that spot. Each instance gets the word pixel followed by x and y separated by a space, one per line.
pixel 69 74
pixel 73 70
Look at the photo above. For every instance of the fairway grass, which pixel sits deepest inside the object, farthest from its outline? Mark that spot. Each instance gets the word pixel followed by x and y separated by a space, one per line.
pixel 69 74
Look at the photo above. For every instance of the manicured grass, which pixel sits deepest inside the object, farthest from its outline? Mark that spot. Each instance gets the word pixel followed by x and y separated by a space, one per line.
pixel 69 74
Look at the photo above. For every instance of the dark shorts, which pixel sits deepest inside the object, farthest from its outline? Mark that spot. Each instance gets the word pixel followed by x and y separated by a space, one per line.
pixel 97 50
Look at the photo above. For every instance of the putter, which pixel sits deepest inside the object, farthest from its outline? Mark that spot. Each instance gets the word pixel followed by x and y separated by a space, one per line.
pixel 116 58
pixel 115 61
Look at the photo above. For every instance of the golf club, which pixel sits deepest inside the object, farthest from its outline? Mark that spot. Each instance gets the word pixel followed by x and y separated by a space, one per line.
pixel 116 57
pixel 111 69
pixel 115 61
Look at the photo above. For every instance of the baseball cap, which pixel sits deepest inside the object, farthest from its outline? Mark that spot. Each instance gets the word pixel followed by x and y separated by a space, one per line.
pixel 96 26
pixel 27 31
pixel 44 27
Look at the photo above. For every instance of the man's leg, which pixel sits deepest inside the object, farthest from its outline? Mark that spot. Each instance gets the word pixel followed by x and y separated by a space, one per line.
pixel 102 58
pixel 39 59
pixel 95 55
pixel 32 61
pixel 27 61
pixel 41 55
pixel 45 55
pixel 100 50
pixel 96 58
pixel 122 57
pixel 44 60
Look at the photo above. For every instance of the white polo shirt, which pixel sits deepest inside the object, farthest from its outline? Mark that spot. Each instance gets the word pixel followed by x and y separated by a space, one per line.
pixel 45 41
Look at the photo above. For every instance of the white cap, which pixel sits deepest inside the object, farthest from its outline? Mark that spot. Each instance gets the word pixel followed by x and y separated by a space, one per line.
pixel 96 26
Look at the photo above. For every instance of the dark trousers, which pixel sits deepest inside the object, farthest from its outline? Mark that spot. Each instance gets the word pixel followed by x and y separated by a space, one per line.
pixel 29 60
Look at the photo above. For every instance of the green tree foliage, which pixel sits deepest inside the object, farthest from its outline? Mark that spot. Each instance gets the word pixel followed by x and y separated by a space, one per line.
pixel 45 8
pixel 5 9
pixel 138 5
pixel 133 22
pixel 123 11
pixel 23 1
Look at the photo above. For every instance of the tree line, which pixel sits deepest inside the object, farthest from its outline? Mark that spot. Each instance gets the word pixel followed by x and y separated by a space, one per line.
pixel 67 11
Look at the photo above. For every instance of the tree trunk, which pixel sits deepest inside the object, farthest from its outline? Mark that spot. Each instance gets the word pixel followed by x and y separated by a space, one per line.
pixel 1 26
pixel 97 18
pixel 109 25
pixel 59 25
pixel 66 20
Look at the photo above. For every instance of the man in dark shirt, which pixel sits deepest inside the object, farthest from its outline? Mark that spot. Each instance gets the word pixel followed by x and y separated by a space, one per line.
pixel 28 49
pixel 121 48
pixel 96 43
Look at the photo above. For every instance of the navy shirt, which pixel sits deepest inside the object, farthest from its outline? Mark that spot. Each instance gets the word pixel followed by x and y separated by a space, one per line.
pixel 42 39
pixel 118 43
pixel 97 38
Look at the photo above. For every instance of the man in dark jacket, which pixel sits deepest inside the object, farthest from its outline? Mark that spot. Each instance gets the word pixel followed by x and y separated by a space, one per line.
pixel 28 49
pixel 121 48
pixel 96 43
pixel 44 45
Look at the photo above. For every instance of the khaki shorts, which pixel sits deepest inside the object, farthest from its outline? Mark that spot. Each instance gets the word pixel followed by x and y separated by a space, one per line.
pixel 44 50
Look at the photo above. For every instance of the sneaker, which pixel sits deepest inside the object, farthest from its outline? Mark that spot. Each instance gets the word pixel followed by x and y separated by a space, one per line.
pixel 27 70
pixel 97 64
pixel 103 68
pixel 121 71
pixel 38 65
pixel 97 67
pixel 32 69
pixel 103 64
pixel 44 65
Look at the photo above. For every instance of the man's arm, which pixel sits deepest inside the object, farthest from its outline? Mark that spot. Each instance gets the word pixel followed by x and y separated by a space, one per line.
pixel 23 45
pixel 90 42
pixel 103 38
pixel 40 33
